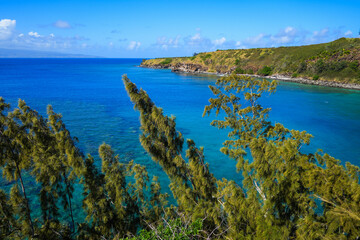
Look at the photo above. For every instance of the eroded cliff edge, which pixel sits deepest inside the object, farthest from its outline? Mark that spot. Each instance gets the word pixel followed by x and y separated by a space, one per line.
pixel 335 64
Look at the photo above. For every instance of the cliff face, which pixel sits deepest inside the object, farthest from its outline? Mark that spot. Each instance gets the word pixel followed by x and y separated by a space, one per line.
pixel 179 67
pixel 189 67
pixel 334 61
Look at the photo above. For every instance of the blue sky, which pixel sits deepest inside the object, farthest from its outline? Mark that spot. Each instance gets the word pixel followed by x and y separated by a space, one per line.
pixel 171 28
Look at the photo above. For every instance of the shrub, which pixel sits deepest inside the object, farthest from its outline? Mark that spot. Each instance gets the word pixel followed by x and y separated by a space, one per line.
pixel 265 71
pixel 354 65
pixel 294 75
pixel 346 52
pixel 250 71
pixel 320 66
pixel 337 66
pixel 173 229
pixel 302 67
pixel 316 77
pixel 239 70
pixel 346 72
pixel 204 57
pixel 166 61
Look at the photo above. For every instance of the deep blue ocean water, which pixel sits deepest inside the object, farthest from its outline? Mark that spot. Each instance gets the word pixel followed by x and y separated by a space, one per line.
pixel 90 95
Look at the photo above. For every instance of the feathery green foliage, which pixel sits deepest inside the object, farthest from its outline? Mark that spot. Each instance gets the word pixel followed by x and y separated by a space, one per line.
pixel 173 230
pixel 192 184
pixel 43 149
pixel 285 193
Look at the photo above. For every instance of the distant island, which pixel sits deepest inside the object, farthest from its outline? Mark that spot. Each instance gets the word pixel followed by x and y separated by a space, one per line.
pixel 24 53
pixel 333 64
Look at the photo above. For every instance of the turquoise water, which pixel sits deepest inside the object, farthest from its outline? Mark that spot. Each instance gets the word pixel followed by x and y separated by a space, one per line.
pixel 95 107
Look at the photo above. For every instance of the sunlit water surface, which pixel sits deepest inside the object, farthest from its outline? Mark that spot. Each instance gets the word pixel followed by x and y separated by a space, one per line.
pixel 90 95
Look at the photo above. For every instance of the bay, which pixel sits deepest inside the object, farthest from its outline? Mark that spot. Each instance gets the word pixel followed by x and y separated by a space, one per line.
pixel 90 95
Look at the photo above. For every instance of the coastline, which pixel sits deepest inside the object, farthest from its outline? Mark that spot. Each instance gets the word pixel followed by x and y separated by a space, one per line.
pixel 311 82
pixel 274 77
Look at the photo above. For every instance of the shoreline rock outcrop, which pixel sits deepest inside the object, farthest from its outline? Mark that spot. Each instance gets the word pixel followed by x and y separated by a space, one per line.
pixel 191 68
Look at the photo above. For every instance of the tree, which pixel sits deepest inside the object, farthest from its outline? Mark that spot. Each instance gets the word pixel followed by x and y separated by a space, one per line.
pixel 192 185
pixel 280 181
pixel 14 159
pixel 285 193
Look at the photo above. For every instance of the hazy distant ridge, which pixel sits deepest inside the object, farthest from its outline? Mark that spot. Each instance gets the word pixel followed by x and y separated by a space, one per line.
pixel 19 53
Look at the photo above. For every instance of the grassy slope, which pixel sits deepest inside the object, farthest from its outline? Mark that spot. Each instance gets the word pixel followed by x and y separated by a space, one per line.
pixel 335 61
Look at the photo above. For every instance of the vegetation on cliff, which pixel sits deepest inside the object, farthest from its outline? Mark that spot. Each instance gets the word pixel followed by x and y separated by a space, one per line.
pixel 334 61
pixel 285 194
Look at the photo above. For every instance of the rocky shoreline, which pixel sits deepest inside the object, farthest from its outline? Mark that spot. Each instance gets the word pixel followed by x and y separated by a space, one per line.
pixel 313 82
pixel 199 69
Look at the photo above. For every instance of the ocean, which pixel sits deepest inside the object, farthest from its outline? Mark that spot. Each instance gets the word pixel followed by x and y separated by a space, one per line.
pixel 90 95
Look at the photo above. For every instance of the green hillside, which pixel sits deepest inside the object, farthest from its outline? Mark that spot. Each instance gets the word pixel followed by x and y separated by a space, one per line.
pixel 334 61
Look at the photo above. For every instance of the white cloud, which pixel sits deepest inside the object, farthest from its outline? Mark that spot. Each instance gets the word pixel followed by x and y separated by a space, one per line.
pixel 219 42
pixel 282 40
pixel 321 33
pixel 34 40
pixel 289 30
pixel 34 34
pixel 198 41
pixel 7 27
pixel 62 24
pixel 348 33
pixel 166 43
pixel 291 36
pixel 196 37
pixel 134 45
pixel 256 39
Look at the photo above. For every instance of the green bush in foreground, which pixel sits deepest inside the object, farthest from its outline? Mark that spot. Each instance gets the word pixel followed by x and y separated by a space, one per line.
pixel 285 194
pixel 174 229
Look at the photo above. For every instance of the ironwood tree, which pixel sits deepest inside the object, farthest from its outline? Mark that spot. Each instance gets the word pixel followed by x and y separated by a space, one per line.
pixel 285 193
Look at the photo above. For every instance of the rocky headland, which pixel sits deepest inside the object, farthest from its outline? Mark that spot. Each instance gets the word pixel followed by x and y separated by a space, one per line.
pixel 333 64
pixel 192 68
